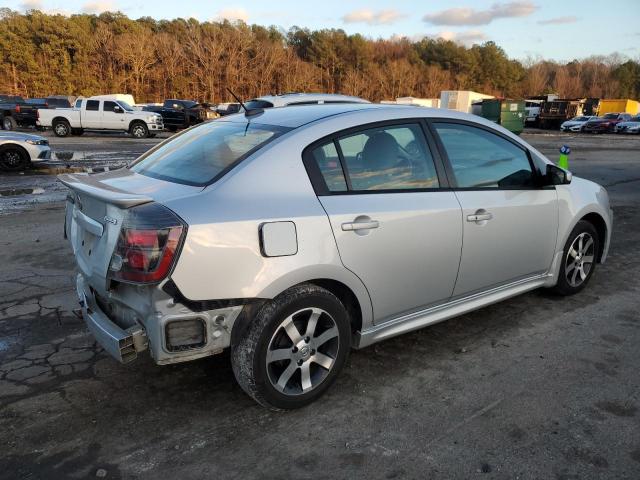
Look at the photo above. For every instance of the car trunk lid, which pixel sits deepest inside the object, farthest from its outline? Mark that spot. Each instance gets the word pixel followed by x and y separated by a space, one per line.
pixel 95 211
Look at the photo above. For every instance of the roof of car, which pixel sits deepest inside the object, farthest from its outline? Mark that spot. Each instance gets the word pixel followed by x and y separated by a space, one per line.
pixel 297 116
pixel 291 98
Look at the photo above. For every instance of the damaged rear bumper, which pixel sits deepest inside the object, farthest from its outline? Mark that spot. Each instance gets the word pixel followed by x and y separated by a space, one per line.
pixel 123 345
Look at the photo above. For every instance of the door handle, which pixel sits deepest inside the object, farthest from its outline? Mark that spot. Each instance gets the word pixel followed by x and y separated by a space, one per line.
pixel 479 216
pixel 353 226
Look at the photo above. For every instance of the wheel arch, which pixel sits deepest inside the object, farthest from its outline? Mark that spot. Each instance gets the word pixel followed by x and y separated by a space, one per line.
pixel 600 225
pixel 60 119
pixel 11 144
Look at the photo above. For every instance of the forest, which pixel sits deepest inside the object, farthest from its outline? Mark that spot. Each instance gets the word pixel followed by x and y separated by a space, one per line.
pixel 43 54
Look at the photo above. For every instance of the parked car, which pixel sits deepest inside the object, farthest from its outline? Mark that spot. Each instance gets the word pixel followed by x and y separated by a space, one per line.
pixel 606 123
pixel 101 114
pixel 178 114
pixel 293 234
pixel 630 126
pixel 19 150
pixel 26 113
pixel 289 99
pixel 576 123
pixel 10 106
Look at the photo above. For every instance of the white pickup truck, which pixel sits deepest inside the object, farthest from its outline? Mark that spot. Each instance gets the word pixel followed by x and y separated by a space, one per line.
pixel 98 113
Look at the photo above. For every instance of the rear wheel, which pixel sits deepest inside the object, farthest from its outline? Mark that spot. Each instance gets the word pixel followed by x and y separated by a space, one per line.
pixel 13 158
pixel 579 260
pixel 294 349
pixel 61 128
pixel 139 130
pixel 9 123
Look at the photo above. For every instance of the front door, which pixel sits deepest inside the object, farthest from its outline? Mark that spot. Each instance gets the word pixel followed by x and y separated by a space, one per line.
pixel 112 119
pixel 394 227
pixel 510 223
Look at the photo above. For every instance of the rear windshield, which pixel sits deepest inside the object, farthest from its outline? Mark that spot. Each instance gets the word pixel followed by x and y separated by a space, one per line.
pixel 199 155
pixel 257 103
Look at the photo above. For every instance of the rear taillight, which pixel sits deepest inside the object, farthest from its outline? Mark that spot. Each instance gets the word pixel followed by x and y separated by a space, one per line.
pixel 17 108
pixel 148 244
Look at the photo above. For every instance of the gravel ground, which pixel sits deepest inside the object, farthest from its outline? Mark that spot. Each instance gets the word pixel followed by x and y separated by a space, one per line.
pixel 535 387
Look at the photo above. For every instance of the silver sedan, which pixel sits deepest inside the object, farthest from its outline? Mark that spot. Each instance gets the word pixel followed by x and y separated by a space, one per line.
pixel 20 150
pixel 291 235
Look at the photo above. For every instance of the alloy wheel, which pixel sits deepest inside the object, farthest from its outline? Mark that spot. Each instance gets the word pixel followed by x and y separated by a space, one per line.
pixel 302 351
pixel 138 131
pixel 11 159
pixel 579 260
pixel 61 129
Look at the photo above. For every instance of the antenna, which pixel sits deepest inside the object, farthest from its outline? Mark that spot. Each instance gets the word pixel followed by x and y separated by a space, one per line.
pixel 247 112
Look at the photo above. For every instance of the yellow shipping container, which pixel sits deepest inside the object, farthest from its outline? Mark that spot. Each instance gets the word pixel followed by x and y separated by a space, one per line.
pixel 618 106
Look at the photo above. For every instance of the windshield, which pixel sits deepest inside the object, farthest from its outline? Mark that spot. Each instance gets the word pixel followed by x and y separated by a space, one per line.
pixel 580 119
pixel 610 116
pixel 199 155
pixel 125 105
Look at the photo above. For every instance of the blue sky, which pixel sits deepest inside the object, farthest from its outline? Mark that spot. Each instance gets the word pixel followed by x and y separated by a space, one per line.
pixel 559 30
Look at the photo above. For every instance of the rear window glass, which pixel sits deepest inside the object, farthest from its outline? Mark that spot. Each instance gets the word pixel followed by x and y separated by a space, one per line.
pixel 200 154
pixel 255 103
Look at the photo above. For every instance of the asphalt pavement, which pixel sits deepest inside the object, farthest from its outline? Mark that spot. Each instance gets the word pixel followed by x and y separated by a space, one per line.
pixel 536 387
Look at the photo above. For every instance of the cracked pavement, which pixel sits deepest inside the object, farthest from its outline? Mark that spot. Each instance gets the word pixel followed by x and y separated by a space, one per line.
pixel 535 387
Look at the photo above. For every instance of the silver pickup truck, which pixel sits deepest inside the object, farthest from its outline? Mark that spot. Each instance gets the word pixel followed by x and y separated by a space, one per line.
pixel 100 114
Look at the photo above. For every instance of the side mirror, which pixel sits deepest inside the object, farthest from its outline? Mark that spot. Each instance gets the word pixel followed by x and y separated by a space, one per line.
pixel 557 176
pixel 118 109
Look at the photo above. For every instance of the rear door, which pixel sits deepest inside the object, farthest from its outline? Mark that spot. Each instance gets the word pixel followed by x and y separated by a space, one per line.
pixel 510 224
pixel 396 225
pixel 91 115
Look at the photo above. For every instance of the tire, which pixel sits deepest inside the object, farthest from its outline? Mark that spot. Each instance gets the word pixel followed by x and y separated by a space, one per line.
pixel 9 123
pixel 13 158
pixel 172 129
pixel 321 351
pixel 139 130
pixel 579 259
pixel 61 128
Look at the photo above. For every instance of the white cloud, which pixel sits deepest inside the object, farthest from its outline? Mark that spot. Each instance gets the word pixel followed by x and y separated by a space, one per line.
pixel 365 15
pixel 98 7
pixel 470 16
pixel 466 37
pixel 558 20
pixel 232 14
pixel 31 5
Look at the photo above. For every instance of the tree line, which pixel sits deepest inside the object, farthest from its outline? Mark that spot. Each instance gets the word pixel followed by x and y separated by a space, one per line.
pixel 43 54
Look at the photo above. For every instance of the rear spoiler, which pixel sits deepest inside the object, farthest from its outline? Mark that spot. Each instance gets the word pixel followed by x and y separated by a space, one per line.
pixel 87 185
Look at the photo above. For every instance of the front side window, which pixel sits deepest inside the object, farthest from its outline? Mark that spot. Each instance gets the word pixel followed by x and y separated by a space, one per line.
pixel 198 155
pixel 108 106
pixel 394 157
pixel 481 159
pixel 93 105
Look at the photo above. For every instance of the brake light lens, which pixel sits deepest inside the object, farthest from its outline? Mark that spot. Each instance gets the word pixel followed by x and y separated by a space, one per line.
pixel 17 108
pixel 148 245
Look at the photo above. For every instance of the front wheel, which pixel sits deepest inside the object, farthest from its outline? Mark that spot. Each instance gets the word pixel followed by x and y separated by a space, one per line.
pixel 13 158
pixel 139 130
pixel 294 349
pixel 579 259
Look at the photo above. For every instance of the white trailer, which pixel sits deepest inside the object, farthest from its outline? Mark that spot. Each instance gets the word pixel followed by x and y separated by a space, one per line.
pixel 460 100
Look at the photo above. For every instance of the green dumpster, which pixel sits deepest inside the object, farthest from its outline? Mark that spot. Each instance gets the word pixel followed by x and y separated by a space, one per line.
pixel 508 113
